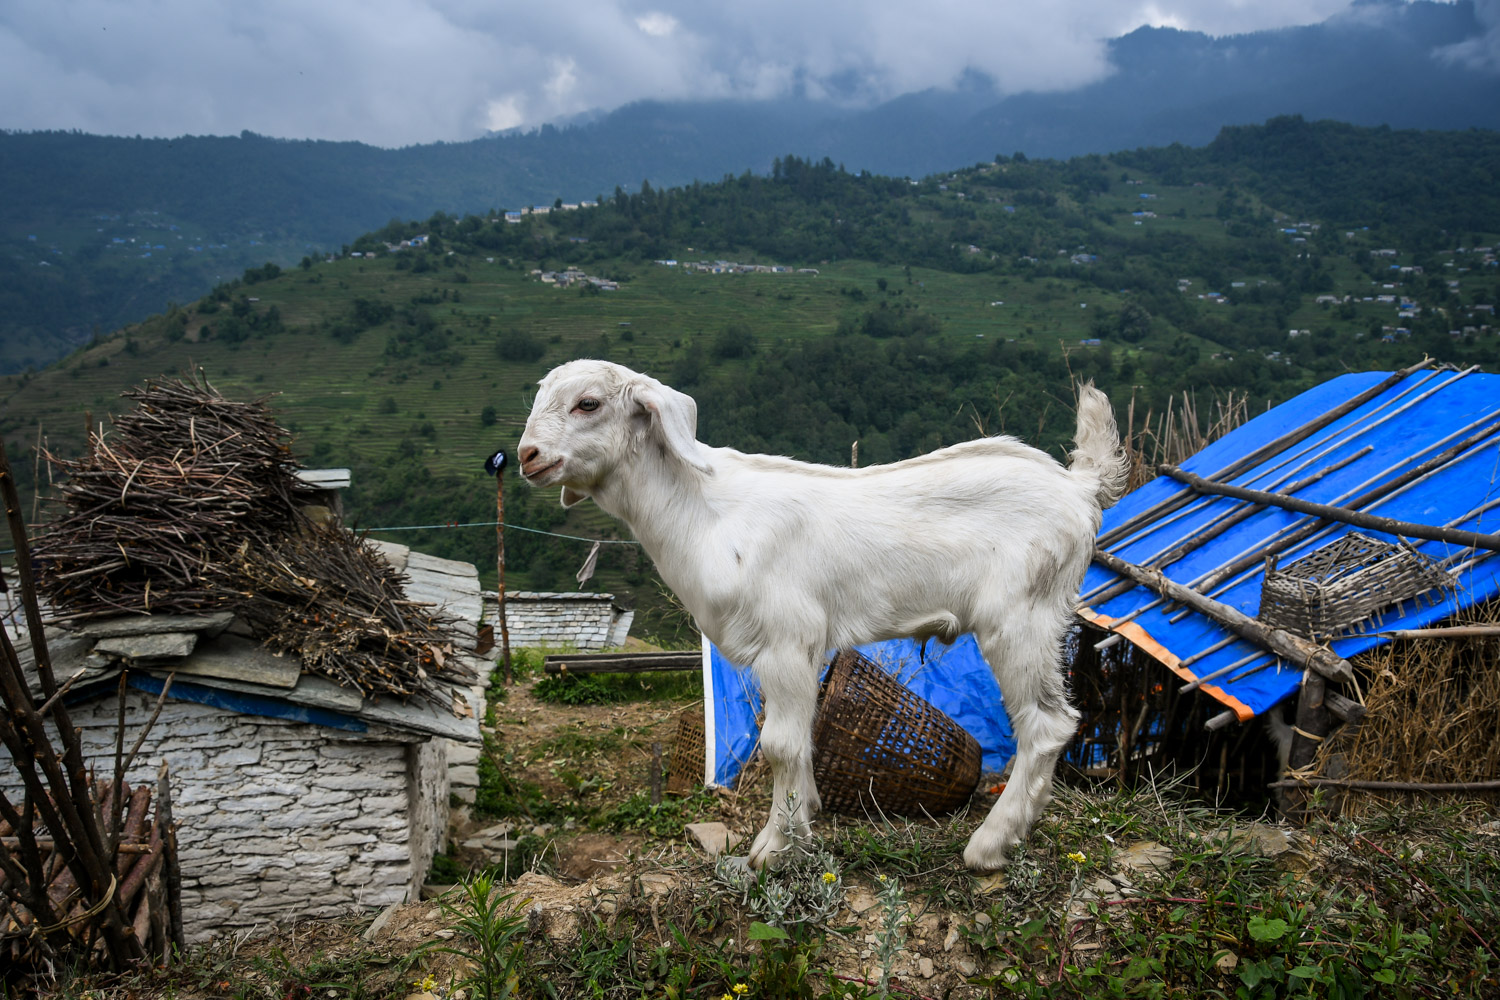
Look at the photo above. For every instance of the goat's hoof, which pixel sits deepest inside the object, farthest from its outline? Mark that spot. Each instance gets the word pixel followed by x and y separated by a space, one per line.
pixel 985 858
pixel 769 845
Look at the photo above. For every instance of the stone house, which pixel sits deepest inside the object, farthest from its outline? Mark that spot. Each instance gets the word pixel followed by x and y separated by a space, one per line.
pixel 577 620
pixel 294 797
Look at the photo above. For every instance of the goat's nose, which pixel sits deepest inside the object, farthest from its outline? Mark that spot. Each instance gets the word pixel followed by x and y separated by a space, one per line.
pixel 529 453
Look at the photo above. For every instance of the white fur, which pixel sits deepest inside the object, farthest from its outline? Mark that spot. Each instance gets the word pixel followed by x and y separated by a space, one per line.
pixel 782 561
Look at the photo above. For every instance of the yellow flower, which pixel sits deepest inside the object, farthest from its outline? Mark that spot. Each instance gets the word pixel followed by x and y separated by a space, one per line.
pixel 1077 857
pixel 882 878
pixel 425 985
pixel 740 989
pixel 829 878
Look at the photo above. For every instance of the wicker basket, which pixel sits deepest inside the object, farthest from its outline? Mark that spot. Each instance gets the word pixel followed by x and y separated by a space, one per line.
pixel 1345 582
pixel 878 746
pixel 686 769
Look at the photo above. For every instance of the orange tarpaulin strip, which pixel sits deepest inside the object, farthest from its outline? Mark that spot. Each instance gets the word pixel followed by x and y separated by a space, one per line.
pixel 1169 659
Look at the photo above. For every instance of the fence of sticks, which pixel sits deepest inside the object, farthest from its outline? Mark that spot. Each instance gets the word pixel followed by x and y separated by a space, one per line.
pixel 192 503
pixel 88 871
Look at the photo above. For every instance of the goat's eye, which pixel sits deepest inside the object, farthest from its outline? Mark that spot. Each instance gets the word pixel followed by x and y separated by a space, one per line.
pixel 588 404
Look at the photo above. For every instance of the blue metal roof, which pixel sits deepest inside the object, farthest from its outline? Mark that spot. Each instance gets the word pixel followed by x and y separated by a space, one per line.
pixel 1409 423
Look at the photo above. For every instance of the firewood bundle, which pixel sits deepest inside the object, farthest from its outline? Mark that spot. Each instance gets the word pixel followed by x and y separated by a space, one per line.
pixel 191 503
pixel 321 594
pixel 183 480
pixel 144 878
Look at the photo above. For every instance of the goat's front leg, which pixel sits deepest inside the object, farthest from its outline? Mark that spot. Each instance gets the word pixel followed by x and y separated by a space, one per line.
pixel 789 685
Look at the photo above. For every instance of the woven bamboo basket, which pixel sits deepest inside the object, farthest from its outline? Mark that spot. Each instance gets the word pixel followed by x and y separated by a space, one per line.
pixel 1345 582
pixel 686 769
pixel 878 746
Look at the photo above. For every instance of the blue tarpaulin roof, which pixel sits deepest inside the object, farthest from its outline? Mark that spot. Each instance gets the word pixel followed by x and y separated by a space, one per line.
pixel 1398 429
pixel 1411 422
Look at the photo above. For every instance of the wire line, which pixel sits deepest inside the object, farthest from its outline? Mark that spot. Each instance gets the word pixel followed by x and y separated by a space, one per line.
pixel 512 527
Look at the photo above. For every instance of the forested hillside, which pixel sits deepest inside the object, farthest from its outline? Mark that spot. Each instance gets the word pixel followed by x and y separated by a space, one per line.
pixel 98 231
pixel 813 307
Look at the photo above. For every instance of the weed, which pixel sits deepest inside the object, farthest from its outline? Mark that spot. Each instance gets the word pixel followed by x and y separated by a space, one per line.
pixel 664 819
pixel 486 918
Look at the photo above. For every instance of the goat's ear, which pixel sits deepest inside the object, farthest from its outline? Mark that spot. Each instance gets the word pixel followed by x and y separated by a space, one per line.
pixel 674 416
pixel 572 497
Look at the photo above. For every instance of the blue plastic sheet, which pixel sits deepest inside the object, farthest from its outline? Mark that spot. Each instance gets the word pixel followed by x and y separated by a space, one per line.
pixel 954 679
pixel 1408 424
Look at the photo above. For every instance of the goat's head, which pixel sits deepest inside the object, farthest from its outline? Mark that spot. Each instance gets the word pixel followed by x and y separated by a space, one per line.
pixel 590 416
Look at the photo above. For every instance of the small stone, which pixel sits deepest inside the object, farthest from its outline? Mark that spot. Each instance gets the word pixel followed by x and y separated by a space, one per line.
pixel 714 838
pixel 1146 855
pixel 982 921
pixel 1226 961
pixel 951 939
pixel 925 967
pixel 965 967
pixel 446 934
pixel 991 883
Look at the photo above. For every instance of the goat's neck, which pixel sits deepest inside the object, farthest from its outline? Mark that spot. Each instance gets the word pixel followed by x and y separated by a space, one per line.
pixel 662 500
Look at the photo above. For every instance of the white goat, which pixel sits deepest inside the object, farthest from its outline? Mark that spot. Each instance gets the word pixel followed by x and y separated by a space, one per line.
pixel 782 561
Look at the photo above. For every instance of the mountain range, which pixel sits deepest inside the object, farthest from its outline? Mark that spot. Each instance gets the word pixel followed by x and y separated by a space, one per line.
pixel 99 231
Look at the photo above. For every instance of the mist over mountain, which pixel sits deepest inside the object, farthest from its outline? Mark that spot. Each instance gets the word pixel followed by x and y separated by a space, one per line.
pixel 98 231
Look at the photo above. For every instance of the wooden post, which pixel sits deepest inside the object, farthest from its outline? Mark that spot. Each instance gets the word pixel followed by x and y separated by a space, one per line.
pixel 656 774
pixel 1311 726
pixel 500 587
pixel 495 466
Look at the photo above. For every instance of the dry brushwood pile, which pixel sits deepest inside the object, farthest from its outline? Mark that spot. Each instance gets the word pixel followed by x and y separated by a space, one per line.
pixel 191 503
pixel 144 882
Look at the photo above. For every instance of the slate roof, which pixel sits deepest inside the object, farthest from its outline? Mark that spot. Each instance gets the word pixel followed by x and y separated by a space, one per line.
pixel 217 662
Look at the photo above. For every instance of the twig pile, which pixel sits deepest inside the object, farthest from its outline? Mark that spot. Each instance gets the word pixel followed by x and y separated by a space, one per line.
pixel 323 595
pixel 192 504
pixel 186 477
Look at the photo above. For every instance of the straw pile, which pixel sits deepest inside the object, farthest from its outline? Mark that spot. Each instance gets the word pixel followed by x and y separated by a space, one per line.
pixel 1434 710
pixel 192 504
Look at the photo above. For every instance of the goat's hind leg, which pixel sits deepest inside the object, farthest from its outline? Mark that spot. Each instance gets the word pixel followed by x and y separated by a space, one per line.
pixel 1036 699
pixel 789 685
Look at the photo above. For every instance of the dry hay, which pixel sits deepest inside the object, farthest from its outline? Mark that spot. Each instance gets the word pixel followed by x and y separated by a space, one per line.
pixel 1433 709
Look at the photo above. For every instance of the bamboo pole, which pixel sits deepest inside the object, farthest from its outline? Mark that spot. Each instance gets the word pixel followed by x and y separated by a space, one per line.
pixel 1207 533
pixel 1389 525
pixel 1256 554
pixel 1448 632
pixel 1435 787
pixel 1294 648
pixel 1287 440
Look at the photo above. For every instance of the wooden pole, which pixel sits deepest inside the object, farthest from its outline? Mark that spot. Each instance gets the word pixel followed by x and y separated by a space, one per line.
pixel 1450 632
pixel 1262 453
pixel 1437 787
pixel 500 588
pixel 1389 525
pixel 1294 648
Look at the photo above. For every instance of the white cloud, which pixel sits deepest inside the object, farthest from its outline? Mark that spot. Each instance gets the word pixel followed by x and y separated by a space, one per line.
pixel 395 72
pixel 656 24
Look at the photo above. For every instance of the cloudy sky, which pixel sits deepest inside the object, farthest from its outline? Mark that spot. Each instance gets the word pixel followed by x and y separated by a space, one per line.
pixel 397 72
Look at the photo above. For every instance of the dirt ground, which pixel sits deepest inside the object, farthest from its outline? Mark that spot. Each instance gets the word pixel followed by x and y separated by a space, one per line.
pixel 597 757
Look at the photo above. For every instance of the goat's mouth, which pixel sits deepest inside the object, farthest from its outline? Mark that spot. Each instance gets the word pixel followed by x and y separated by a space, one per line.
pixel 534 475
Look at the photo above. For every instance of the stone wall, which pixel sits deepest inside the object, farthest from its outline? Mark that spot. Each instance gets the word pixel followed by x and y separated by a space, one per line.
pixel 280 819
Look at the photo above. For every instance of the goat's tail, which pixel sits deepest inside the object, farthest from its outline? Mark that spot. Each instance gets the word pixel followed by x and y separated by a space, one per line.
pixel 1099 454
